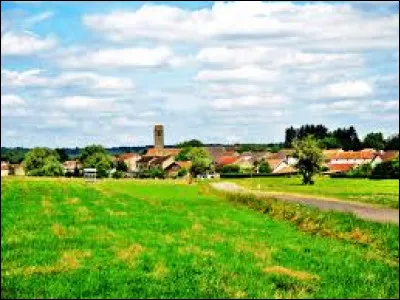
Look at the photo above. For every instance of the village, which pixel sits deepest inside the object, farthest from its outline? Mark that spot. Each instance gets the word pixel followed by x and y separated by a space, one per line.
pixel 281 163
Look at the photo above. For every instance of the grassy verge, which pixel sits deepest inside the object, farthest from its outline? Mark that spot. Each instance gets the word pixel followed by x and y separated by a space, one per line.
pixel 383 193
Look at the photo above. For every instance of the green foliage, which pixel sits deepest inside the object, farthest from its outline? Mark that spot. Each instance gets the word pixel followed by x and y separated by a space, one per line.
pixel 118 174
pixel 348 138
pixel 230 169
pixel 251 147
pixel 374 140
pixel 264 168
pixel 184 154
pixel 330 142
pixel 62 153
pixel 101 161
pixel 392 142
pixel 42 162
pixel 190 143
pixel 14 155
pixel 361 171
pixel 386 170
pixel 182 172
pixel 95 156
pixel 309 157
pixel 152 173
pixel 121 166
pixel 90 150
pixel 201 161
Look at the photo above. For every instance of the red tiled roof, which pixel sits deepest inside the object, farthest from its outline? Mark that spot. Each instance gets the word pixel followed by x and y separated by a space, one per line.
pixel 125 156
pixel 389 155
pixel 163 152
pixel 355 155
pixel 227 160
pixel 340 168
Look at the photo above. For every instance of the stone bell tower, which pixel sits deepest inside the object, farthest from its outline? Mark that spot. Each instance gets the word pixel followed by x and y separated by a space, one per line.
pixel 159 137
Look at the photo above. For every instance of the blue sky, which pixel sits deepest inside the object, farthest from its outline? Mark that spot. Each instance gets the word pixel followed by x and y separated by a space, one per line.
pixel 75 73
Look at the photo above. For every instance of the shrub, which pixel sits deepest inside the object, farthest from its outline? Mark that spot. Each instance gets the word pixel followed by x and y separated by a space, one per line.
pixel 230 169
pixel 362 171
pixel 386 170
pixel 264 168
pixel 182 172
pixel 118 174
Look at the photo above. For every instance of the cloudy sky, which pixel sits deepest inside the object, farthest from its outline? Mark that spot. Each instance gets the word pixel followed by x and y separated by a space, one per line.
pixel 74 73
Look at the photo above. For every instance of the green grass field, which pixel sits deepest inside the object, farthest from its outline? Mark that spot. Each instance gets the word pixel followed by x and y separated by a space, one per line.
pixel 378 192
pixel 142 239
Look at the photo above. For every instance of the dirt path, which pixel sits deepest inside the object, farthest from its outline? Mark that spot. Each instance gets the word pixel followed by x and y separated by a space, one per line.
pixel 361 210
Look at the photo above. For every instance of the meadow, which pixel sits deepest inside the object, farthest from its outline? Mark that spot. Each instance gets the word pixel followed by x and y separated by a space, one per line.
pixel 383 193
pixel 64 238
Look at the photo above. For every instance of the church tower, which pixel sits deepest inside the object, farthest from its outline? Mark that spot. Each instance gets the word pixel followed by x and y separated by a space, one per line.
pixel 159 137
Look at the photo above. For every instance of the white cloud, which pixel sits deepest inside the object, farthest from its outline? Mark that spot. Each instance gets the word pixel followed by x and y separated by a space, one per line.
pixel 87 104
pixel 249 102
pixel 124 57
pixel 39 18
pixel 130 122
pixel 352 107
pixel 11 100
pixel 347 89
pixel 25 43
pixel 319 25
pixel 88 80
pixel 251 73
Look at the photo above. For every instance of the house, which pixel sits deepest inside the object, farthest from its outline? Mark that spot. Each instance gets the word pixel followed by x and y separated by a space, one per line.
pixel 4 168
pixel 130 160
pixel 148 162
pixel 389 155
pixel 226 160
pixel 208 176
pixel 246 161
pixel 340 168
pixel 176 166
pixel 355 157
pixel 277 164
pixel 70 165
pixel 330 154
pixel 16 169
pixel 289 170
pixel 215 153
pixel 163 152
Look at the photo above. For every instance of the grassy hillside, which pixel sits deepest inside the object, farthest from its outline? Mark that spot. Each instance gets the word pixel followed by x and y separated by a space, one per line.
pixel 380 192
pixel 131 239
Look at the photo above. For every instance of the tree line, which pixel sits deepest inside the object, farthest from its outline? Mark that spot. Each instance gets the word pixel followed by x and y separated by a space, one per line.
pixel 345 138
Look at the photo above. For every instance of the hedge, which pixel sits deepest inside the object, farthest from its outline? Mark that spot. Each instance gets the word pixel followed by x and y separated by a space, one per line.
pixel 249 175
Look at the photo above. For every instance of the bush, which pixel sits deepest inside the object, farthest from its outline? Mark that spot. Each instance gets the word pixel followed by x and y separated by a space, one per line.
pixel 362 171
pixel 118 174
pixel 230 169
pixel 152 173
pixel 43 162
pixel 182 172
pixel 249 175
pixel 264 168
pixel 386 170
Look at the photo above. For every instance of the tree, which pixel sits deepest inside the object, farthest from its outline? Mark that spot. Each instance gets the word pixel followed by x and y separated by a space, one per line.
pixel 290 136
pixel 264 168
pixel 201 161
pixel 90 150
pixel 52 167
pixel 183 155
pixel 62 153
pixel 392 142
pixel 36 160
pixel 190 143
pixel 374 140
pixel 348 138
pixel 121 166
pixel 330 142
pixel 309 157
pixel 101 161
pixel 361 171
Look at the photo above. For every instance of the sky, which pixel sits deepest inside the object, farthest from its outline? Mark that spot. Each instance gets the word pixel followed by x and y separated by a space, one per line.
pixel 78 73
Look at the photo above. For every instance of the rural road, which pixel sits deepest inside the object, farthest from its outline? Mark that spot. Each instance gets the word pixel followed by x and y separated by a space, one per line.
pixel 363 211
